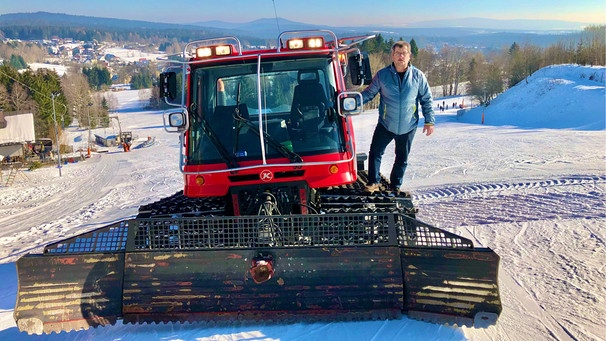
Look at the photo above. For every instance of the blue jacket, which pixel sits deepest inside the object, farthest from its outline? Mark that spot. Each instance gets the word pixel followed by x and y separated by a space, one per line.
pixel 398 107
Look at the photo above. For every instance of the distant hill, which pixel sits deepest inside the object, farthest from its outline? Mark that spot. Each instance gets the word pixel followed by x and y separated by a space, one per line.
pixel 436 27
pixel 465 31
pixel 477 32
pixel 59 19
pixel 44 25
pixel 262 24
pixel 539 26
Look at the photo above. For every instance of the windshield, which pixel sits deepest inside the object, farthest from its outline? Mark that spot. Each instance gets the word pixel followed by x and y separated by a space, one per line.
pixel 297 111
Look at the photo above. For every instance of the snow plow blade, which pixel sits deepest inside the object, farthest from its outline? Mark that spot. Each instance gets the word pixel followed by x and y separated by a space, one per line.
pixel 281 268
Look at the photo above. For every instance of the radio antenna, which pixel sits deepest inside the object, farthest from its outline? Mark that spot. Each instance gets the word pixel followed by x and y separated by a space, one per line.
pixel 276 15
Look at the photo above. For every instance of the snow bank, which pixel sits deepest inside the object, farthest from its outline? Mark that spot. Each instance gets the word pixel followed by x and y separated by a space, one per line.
pixel 555 97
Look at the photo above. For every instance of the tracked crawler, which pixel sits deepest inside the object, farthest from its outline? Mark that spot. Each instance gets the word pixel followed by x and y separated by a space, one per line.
pixel 272 222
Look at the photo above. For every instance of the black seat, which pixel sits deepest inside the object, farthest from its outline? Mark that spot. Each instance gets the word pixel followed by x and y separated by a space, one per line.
pixel 223 119
pixel 309 103
pixel 226 112
pixel 223 123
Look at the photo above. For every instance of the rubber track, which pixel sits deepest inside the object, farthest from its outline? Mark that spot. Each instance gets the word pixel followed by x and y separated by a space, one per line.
pixel 340 199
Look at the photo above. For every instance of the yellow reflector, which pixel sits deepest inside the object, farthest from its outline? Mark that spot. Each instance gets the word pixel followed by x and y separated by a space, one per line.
pixel 200 180
pixel 223 50
pixel 294 44
pixel 333 169
pixel 314 43
pixel 203 52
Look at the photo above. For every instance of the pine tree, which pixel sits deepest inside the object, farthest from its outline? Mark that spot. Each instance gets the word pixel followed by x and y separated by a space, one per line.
pixel 17 62
pixel 414 49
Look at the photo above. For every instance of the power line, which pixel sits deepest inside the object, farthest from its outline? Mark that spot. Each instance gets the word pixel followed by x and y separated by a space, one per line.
pixel 32 89
pixel 25 85
pixel 276 15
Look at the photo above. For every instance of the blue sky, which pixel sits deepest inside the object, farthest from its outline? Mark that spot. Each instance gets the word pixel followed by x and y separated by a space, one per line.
pixel 351 12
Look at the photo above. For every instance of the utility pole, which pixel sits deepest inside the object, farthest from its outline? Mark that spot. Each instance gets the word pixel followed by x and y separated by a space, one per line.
pixel 90 104
pixel 53 95
pixel 484 100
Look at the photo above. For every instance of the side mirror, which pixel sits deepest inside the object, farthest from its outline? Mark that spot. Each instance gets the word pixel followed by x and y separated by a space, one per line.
pixel 350 103
pixel 359 69
pixel 168 85
pixel 175 121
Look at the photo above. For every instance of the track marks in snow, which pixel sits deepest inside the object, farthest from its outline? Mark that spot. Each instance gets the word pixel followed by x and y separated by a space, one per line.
pixel 550 238
pixel 580 197
pixel 470 189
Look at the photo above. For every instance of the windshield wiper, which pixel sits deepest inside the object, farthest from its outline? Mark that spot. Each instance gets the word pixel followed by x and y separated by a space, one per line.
pixel 287 153
pixel 228 158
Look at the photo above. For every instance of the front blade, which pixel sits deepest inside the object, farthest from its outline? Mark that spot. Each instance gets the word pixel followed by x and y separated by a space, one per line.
pixel 68 292
pixel 457 286
pixel 213 285
pixel 332 266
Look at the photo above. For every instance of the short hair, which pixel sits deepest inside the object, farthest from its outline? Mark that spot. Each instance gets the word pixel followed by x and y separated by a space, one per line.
pixel 400 44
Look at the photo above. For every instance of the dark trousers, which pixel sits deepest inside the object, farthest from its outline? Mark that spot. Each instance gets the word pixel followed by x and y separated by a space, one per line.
pixel 380 139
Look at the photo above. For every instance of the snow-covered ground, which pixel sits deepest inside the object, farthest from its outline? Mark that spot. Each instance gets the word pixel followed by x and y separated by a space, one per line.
pixel 534 190
pixel 131 55
pixel 59 69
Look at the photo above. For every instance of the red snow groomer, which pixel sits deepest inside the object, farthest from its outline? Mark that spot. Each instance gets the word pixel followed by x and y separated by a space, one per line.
pixel 273 221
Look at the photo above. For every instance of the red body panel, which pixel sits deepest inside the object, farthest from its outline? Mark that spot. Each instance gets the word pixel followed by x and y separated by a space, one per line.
pixel 315 172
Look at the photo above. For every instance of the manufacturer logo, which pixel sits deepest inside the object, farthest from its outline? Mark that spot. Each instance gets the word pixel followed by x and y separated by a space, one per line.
pixel 266 175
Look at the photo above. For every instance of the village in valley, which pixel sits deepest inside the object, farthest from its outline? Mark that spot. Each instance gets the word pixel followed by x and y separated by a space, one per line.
pixel 20 148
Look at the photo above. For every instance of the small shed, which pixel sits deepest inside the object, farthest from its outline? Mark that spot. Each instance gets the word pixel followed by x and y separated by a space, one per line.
pixel 107 141
pixel 16 130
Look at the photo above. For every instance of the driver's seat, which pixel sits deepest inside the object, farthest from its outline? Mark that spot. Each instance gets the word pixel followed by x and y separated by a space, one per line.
pixel 309 103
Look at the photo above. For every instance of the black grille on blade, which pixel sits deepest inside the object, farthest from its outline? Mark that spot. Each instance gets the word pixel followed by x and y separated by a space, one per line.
pixel 110 238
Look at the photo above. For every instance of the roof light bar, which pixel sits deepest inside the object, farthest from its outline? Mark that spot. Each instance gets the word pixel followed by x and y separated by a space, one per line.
pixel 295 44
pixel 223 50
pixel 315 43
pixel 204 52
pixel 214 51
pixel 305 43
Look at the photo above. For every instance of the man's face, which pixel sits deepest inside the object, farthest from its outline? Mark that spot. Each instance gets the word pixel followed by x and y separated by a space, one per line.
pixel 400 56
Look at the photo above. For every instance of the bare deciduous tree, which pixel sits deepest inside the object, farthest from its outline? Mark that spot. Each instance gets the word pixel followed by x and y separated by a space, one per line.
pixel 523 62
pixel 4 99
pixel 77 91
pixel 426 61
pixel 485 79
pixel 450 69
pixel 20 99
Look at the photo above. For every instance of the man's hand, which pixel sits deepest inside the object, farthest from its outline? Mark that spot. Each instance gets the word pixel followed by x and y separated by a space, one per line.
pixel 220 85
pixel 428 129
